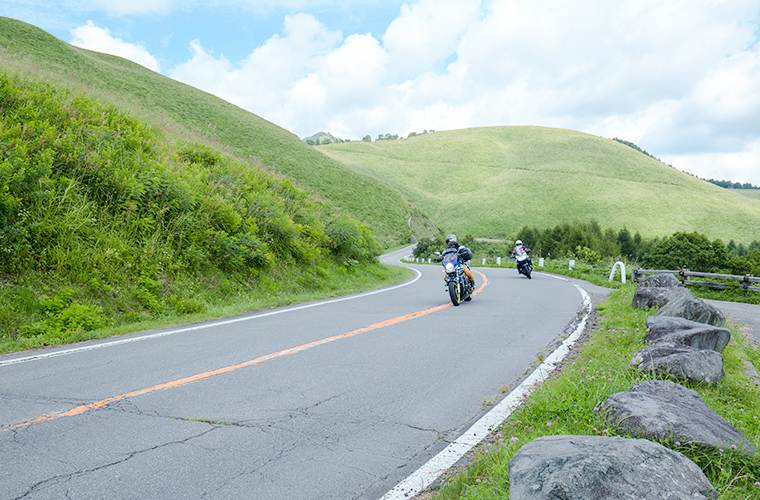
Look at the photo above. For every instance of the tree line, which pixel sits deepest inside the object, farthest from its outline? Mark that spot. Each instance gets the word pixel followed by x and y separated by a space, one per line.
pixel 732 185
pixel 589 242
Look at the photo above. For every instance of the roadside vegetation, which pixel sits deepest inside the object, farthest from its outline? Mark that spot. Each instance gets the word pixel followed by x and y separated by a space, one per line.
pixel 565 405
pixel 103 224
pixel 594 250
pixel 184 114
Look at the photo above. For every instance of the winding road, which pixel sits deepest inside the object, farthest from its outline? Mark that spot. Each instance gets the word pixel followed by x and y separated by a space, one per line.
pixel 336 399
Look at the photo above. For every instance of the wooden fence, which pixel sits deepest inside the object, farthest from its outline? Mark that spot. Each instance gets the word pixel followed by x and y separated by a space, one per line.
pixel 747 282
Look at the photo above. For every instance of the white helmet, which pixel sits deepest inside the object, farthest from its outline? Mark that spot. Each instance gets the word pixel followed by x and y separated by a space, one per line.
pixel 518 243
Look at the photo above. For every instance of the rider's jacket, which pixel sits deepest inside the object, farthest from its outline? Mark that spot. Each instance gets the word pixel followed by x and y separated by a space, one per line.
pixel 520 249
pixel 465 254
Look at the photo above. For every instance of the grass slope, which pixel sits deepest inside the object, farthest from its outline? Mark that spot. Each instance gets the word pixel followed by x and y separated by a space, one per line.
pixel 104 225
pixel 184 113
pixel 492 181
pixel 751 193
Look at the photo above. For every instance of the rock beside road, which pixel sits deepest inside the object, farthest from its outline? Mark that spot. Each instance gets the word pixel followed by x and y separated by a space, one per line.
pixel 689 307
pixel 662 280
pixel 584 467
pixel 685 332
pixel 648 297
pixel 663 410
pixel 686 362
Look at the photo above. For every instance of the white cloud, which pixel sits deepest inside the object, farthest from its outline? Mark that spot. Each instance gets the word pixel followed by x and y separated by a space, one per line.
pixel 93 37
pixel 743 165
pixel 677 77
pixel 427 32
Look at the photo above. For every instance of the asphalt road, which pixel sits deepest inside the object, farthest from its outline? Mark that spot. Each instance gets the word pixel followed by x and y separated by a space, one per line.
pixel 263 408
pixel 745 315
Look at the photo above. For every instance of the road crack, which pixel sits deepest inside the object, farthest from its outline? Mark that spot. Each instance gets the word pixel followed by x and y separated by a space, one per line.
pixel 63 478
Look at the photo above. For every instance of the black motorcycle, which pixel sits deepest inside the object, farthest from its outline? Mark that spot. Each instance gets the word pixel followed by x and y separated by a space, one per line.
pixel 457 284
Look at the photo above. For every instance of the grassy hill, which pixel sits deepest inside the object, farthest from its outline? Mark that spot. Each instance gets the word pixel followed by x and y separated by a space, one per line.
pixel 104 224
pixel 184 114
pixel 751 193
pixel 491 181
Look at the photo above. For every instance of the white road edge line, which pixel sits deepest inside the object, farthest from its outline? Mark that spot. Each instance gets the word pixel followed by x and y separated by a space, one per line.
pixel 423 477
pixel 64 352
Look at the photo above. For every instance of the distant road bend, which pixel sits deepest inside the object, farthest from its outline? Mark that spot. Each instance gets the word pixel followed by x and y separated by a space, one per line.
pixel 342 399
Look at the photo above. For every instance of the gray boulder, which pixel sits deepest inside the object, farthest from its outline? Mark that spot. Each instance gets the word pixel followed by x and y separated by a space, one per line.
pixel 666 411
pixel 662 280
pixel 689 307
pixel 696 365
pixel 686 332
pixel 584 467
pixel 648 297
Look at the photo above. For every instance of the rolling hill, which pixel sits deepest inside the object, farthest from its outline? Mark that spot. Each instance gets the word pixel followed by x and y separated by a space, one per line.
pixel 186 114
pixel 492 181
pixel 751 193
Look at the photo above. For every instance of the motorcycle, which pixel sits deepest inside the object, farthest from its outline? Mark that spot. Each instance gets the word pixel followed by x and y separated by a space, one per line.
pixel 524 264
pixel 457 285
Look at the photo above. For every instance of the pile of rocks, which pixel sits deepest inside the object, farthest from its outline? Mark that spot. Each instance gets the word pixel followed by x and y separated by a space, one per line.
pixel 686 340
pixel 685 337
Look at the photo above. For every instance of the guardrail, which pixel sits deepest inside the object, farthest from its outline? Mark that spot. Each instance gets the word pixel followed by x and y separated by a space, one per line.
pixel 684 275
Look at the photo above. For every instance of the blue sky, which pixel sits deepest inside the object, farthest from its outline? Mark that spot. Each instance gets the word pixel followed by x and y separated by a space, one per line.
pixel 224 29
pixel 679 78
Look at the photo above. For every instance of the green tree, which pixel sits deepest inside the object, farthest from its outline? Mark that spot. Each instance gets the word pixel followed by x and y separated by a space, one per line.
pixel 627 246
pixel 690 250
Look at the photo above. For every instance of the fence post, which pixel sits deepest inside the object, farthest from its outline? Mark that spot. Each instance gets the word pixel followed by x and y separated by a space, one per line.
pixel 746 282
pixel 683 275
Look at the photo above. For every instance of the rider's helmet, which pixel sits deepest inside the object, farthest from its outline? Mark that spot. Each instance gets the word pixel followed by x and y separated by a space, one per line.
pixel 518 243
pixel 451 240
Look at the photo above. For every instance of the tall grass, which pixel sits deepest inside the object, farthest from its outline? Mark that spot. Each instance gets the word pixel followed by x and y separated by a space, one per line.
pixel 104 223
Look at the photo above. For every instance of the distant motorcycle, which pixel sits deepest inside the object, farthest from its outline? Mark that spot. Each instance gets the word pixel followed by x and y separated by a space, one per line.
pixel 457 285
pixel 524 264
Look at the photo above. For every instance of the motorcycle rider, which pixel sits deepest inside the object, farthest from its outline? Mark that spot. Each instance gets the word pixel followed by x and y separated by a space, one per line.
pixel 520 249
pixel 452 245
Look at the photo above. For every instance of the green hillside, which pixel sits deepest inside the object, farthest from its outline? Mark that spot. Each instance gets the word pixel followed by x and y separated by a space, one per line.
pixel 184 113
pixel 492 181
pixel 752 193
pixel 104 224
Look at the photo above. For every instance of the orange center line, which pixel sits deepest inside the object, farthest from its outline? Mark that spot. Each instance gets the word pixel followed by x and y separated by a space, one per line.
pixel 79 410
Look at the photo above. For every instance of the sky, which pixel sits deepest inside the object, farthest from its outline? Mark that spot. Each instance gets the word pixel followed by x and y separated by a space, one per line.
pixel 681 78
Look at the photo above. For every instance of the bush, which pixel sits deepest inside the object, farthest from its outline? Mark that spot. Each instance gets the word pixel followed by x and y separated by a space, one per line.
pixel 352 240
pixel 693 251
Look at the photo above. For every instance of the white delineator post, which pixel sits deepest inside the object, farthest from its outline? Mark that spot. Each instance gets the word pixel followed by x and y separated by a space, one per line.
pixel 571 264
pixel 541 262
pixel 498 261
pixel 621 265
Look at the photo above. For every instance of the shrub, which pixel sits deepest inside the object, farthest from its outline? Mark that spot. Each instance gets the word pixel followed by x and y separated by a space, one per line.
pixel 693 251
